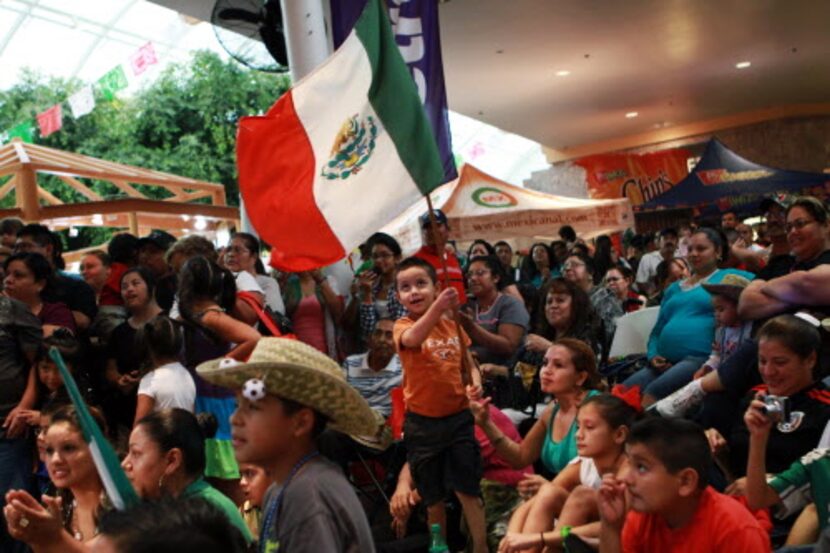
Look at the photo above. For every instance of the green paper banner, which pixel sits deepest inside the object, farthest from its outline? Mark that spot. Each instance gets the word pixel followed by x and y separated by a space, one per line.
pixel 24 131
pixel 112 82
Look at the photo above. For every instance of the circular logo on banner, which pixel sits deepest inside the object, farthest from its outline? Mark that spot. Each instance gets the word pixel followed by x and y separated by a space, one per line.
pixel 488 196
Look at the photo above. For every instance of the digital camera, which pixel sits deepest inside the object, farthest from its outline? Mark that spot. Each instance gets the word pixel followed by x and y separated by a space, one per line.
pixel 777 408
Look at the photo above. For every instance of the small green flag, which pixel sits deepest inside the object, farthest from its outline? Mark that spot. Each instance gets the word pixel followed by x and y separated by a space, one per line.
pixel 112 82
pixel 116 483
pixel 24 131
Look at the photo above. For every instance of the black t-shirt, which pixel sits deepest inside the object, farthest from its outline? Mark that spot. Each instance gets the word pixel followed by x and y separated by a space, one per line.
pixel 783 448
pixel 821 259
pixel 166 292
pixel 777 266
pixel 76 294
pixel 123 348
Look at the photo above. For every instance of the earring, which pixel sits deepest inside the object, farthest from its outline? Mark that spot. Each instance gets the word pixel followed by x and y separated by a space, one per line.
pixel 161 482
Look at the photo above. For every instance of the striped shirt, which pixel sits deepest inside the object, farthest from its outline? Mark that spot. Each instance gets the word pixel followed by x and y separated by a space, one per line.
pixel 374 386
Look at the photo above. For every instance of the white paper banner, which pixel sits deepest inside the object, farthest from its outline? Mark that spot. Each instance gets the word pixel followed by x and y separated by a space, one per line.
pixel 82 102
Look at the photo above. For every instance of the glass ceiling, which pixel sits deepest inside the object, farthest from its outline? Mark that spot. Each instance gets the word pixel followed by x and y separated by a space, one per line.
pixel 87 38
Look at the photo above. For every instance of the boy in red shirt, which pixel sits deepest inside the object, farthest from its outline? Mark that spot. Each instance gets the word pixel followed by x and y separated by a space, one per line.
pixel 442 451
pixel 670 506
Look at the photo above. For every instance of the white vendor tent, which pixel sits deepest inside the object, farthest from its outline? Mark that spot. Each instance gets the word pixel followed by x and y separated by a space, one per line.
pixel 478 205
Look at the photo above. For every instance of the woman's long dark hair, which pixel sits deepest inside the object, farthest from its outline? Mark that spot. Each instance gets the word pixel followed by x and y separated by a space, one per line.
pixel 602 258
pixel 182 430
pixel 581 310
pixel 201 279
pixel 69 414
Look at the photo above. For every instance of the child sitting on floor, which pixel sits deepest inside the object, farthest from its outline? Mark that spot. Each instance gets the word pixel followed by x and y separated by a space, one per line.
pixel 603 421
pixel 670 507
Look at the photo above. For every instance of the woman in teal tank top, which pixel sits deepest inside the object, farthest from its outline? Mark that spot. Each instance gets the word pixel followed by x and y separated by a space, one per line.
pixel 569 375
pixel 557 454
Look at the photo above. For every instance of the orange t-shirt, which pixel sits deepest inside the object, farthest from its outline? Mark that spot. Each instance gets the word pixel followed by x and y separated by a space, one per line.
pixel 432 384
pixel 720 524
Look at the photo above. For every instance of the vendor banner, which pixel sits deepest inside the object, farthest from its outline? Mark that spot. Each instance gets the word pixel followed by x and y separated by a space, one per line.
pixel 415 25
pixel 638 177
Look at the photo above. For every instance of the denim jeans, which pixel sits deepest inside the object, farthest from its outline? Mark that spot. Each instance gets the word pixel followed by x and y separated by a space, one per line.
pixel 15 474
pixel 660 385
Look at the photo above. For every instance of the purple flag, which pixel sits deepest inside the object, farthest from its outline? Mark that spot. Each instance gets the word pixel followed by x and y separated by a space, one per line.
pixel 415 23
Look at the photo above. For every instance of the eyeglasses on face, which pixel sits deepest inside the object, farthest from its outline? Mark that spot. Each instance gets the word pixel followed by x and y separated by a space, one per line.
pixel 573 264
pixel 478 273
pixel 798 224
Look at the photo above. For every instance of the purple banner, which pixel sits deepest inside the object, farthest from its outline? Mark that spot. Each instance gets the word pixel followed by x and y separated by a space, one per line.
pixel 415 24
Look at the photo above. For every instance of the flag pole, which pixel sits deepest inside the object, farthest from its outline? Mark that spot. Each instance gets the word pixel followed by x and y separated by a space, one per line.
pixel 466 370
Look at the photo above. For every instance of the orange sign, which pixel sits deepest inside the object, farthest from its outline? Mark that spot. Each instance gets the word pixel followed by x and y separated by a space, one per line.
pixel 638 177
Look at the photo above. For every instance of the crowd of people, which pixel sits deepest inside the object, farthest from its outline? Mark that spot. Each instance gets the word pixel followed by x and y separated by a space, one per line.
pixel 247 406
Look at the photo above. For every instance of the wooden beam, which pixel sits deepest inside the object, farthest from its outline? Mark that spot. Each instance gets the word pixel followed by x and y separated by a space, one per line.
pixel 684 131
pixel 80 188
pixel 127 189
pixel 49 197
pixel 133 219
pixel 140 205
pixel 135 178
pixel 26 194
pixel 192 196
pixel 6 188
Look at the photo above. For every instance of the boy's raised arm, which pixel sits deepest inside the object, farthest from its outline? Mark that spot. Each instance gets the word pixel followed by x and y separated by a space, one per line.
pixel 415 335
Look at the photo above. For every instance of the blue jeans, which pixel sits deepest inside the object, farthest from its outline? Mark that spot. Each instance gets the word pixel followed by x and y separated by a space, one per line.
pixel 15 474
pixel 659 385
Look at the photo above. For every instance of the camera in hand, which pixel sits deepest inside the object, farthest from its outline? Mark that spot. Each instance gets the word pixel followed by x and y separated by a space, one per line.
pixel 777 408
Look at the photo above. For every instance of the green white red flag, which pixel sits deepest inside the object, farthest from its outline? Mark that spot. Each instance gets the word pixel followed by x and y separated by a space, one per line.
pixel 339 155
pixel 116 485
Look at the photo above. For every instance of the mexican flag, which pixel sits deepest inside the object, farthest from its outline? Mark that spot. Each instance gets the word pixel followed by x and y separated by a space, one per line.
pixel 341 154
pixel 118 487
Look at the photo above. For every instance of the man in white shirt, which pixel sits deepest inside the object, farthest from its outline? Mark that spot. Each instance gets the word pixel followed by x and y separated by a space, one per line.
pixel 647 269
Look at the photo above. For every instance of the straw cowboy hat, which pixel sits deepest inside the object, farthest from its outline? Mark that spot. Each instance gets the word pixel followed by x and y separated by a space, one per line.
pixel 730 286
pixel 296 371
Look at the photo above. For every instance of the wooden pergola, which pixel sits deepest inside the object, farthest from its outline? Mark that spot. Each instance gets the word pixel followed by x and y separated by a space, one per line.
pixel 133 211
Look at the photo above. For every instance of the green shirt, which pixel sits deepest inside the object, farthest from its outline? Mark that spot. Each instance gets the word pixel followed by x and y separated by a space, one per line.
pixel 810 475
pixel 202 489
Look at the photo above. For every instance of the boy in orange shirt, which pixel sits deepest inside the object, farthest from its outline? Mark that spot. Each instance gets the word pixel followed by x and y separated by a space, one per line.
pixel 442 451
pixel 672 509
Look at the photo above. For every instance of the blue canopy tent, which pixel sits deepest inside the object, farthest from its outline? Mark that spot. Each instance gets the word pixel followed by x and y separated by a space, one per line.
pixel 722 180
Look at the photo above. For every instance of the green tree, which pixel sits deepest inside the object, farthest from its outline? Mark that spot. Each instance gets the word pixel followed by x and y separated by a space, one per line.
pixel 183 123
